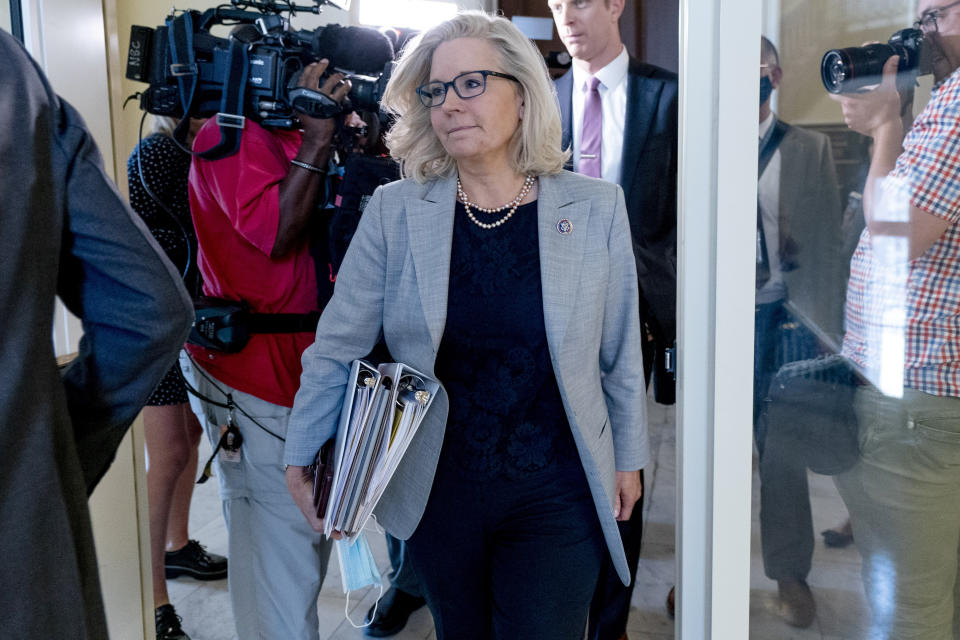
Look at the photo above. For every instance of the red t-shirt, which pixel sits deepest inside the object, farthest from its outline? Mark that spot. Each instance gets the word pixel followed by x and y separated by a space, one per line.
pixel 236 209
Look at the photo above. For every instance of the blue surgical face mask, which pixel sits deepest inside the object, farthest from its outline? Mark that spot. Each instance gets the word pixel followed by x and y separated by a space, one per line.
pixel 357 568
pixel 766 88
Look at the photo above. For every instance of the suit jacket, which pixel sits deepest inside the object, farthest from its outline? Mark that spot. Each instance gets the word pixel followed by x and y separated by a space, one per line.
pixel 67 232
pixel 395 278
pixel 649 181
pixel 809 228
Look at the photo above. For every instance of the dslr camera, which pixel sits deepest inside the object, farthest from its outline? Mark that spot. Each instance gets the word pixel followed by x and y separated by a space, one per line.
pixel 851 69
pixel 254 72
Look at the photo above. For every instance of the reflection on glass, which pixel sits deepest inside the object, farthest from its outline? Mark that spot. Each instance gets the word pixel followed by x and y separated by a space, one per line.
pixel 893 572
pixel 5 23
pixel 798 303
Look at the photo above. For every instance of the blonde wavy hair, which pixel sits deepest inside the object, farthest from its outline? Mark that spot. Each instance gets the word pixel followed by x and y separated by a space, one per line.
pixel 535 147
pixel 163 125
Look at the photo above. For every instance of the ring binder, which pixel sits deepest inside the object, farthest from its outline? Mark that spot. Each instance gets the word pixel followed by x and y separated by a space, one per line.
pixel 382 409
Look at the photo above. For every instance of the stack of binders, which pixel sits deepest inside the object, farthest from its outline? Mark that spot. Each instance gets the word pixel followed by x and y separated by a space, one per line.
pixel 382 409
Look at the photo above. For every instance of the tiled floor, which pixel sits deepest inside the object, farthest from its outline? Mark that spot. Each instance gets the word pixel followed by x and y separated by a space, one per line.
pixel 205 607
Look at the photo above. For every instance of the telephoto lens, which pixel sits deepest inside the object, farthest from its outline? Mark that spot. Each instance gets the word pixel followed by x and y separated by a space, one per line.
pixel 852 69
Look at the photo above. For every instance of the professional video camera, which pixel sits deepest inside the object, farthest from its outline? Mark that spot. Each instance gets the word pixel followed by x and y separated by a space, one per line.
pixel 851 69
pixel 254 72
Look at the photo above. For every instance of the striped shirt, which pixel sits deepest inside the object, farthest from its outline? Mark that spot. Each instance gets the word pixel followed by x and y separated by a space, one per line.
pixel 903 316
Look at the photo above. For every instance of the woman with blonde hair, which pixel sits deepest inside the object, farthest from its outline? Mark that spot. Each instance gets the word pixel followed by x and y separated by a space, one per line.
pixel 513 283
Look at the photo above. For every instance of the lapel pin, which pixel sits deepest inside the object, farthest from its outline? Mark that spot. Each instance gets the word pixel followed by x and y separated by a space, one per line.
pixel 565 227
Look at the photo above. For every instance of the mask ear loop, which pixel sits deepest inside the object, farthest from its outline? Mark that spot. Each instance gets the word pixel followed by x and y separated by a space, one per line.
pixel 373 616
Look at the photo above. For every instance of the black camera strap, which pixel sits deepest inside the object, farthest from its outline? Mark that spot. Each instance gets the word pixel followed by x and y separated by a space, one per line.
pixel 283 322
pixel 230 119
pixel 226 325
pixel 183 66
pixel 770 143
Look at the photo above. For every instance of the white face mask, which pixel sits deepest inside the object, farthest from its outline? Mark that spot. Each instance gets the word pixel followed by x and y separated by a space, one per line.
pixel 357 570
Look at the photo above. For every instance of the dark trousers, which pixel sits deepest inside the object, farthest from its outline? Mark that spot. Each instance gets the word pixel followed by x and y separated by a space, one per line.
pixel 402 576
pixel 610 606
pixel 509 559
pixel 786 521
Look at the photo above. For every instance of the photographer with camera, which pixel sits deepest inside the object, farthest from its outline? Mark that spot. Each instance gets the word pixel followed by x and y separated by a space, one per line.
pixel 903 326
pixel 251 211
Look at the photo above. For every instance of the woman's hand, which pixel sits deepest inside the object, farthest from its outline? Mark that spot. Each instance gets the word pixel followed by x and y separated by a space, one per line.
pixel 628 491
pixel 300 486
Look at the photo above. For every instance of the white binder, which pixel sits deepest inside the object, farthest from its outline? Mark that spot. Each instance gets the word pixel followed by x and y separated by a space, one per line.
pixel 382 409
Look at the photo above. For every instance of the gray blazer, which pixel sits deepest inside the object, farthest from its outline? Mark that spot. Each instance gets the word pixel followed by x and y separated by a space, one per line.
pixel 810 235
pixel 394 279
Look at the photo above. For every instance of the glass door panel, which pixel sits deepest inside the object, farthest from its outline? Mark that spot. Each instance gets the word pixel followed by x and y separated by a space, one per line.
pixel 856 488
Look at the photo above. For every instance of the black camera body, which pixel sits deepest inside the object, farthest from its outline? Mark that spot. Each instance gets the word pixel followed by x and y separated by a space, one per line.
pixel 852 69
pixel 273 59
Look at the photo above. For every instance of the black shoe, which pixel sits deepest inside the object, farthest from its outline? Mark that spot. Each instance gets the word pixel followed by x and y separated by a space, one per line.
pixel 168 623
pixel 796 604
pixel 393 610
pixel 839 536
pixel 837 539
pixel 193 560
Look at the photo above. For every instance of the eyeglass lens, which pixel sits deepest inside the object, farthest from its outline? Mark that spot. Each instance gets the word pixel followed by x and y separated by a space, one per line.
pixel 928 22
pixel 467 85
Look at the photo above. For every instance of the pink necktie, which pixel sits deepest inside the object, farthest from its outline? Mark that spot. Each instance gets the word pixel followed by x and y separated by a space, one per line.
pixel 591 136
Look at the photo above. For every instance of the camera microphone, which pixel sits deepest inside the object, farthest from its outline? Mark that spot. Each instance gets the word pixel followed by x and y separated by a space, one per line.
pixel 361 50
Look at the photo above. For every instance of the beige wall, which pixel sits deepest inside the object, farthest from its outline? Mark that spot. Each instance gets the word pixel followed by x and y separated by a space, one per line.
pixel 5 16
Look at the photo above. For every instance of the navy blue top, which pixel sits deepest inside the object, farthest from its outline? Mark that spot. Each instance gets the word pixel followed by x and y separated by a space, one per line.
pixel 506 416
pixel 165 170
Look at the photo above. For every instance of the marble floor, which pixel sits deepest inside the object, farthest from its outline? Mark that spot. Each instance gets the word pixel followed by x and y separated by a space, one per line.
pixel 205 607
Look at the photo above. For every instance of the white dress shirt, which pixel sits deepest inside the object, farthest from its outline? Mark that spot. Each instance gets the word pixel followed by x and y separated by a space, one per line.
pixel 768 195
pixel 613 106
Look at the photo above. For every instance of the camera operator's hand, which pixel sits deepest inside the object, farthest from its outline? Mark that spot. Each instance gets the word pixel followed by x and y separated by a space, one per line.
pixel 319 131
pixel 870 111
pixel 303 187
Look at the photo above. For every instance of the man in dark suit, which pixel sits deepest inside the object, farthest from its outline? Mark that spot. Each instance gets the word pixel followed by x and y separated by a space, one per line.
pixel 620 119
pixel 67 233
pixel 800 282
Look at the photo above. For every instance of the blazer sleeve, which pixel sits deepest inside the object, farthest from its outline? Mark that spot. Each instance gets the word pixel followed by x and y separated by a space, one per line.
pixel 133 306
pixel 348 329
pixel 621 360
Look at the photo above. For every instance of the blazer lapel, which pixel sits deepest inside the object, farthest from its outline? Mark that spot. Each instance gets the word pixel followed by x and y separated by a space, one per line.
pixel 430 231
pixel 561 255
pixel 789 166
pixel 642 98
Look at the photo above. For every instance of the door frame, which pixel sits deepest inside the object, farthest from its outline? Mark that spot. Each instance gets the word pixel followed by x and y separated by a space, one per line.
pixel 719 94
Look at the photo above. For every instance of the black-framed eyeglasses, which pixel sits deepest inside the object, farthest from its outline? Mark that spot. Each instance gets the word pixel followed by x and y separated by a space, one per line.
pixel 928 21
pixel 468 84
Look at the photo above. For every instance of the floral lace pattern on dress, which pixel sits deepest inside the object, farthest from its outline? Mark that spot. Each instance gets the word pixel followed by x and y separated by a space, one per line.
pixel 506 416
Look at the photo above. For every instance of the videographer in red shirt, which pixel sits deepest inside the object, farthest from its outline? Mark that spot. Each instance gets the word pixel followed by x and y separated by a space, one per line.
pixel 251 211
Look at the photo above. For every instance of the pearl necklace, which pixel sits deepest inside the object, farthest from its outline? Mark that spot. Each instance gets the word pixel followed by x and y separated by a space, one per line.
pixel 512 205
